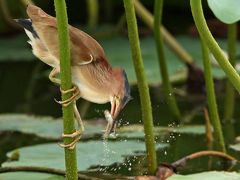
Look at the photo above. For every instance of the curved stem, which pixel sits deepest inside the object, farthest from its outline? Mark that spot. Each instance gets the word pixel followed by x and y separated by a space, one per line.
pixel 212 105
pixel 169 95
pixel 142 84
pixel 198 16
pixel 66 83
pixel 230 92
pixel 182 162
pixel 147 18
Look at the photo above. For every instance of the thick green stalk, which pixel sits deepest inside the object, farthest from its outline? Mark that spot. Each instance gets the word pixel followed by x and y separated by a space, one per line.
pixel 198 16
pixel 92 12
pixel 230 91
pixel 66 83
pixel 147 18
pixel 212 105
pixel 169 95
pixel 142 85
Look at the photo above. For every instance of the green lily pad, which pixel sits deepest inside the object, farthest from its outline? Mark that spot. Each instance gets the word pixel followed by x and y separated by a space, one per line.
pixel 225 10
pixel 29 176
pixel 89 154
pixel 211 175
pixel 137 131
pixel 50 128
pixel 45 127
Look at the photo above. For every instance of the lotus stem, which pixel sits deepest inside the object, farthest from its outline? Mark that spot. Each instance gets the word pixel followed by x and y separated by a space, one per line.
pixel 212 105
pixel 169 94
pixel 230 91
pixel 66 83
pixel 142 85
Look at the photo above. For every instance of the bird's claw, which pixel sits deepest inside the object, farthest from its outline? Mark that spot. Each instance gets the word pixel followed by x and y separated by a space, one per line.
pixel 76 135
pixel 68 101
pixel 68 90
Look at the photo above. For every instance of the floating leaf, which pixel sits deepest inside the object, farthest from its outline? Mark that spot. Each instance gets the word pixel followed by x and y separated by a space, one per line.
pixel 45 127
pixel 90 153
pixel 225 10
pixel 49 128
pixel 137 131
pixel 211 175
pixel 29 176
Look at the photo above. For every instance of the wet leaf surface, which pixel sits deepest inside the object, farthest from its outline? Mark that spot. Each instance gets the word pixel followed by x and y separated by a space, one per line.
pixel 45 127
pixel 137 131
pixel 90 153
pixel 50 128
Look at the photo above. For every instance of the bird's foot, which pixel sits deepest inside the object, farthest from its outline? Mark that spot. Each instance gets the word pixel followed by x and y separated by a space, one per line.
pixel 76 136
pixel 111 126
pixel 52 76
pixel 68 101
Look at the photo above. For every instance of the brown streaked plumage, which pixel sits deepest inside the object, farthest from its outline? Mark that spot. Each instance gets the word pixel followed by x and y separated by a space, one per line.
pixel 95 79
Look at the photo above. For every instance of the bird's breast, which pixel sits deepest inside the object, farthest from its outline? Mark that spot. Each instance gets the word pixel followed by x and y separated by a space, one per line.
pixel 90 86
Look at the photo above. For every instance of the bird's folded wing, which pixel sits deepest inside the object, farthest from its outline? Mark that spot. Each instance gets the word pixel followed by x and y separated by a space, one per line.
pixel 84 49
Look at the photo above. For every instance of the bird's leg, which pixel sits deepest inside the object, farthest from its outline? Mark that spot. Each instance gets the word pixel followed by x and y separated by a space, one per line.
pixel 52 76
pixel 74 97
pixel 111 126
pixel 78 133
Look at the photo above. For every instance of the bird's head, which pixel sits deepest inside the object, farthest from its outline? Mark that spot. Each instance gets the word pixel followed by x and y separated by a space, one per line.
pixel 122 95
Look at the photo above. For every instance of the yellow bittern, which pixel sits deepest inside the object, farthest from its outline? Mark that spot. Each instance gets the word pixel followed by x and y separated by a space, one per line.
pixel 92 76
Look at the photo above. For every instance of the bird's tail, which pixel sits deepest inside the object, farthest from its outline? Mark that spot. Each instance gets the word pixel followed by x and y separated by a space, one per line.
pixel 27 25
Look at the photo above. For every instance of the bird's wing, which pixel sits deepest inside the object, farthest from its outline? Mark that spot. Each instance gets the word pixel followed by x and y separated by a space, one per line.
pixel 84 49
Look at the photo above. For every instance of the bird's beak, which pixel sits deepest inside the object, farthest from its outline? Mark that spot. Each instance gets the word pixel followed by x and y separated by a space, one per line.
pixel 115 107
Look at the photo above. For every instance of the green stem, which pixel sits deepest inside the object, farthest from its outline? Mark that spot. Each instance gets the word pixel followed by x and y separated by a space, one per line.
pixel 230 92
pixel 197 12
pixel 66 83
pixel 92 12
pixel 169 95
pixel 142 85
pixel 147 18
pixel 212 105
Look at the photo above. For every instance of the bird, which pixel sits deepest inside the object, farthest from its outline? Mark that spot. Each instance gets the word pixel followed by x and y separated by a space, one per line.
pixel 93 78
